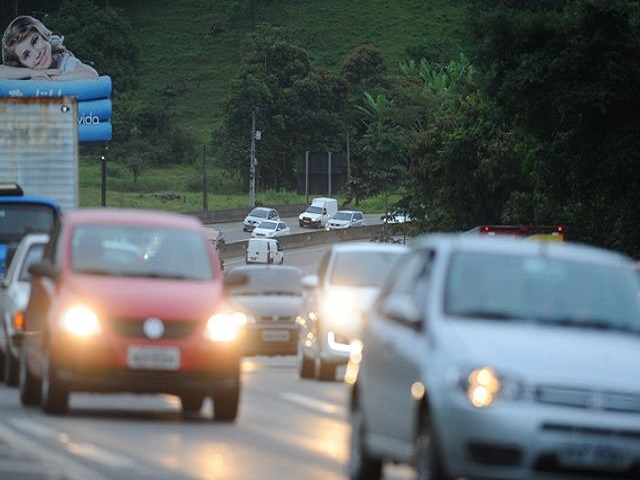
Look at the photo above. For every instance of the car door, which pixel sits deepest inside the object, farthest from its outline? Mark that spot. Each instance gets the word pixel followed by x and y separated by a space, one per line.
pixel 394 338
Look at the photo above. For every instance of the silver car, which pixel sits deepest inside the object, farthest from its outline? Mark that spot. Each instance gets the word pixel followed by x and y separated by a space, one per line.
pixel 500 358
pixel 14 295
pixel 348 280
pixel 271 298
pixel 345 219
pixel 257 216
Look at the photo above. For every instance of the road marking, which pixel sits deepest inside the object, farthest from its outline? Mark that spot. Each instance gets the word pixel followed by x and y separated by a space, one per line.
pixel 33 428
pixel 100 455
pixel 313 404
pixel 51 460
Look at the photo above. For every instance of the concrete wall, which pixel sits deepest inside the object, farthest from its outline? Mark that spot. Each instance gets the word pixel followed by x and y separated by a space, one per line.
pixel 306 239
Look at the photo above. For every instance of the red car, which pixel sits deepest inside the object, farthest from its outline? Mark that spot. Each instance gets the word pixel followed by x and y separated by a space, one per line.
pixel 130 301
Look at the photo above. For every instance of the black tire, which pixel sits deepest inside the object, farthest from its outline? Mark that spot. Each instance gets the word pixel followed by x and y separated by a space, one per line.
pixel 191 403
pixel 55 395
pixel 11 369
pixel 362 465
pixel 306 365
pixel 428 461
pixel 226 403
pixel 325 371
pixel 28 384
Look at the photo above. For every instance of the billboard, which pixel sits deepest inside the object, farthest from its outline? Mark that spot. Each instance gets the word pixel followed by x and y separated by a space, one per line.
pixel 36 64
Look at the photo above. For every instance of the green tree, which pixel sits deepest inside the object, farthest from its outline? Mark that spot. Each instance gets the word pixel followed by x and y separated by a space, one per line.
pixel 569 76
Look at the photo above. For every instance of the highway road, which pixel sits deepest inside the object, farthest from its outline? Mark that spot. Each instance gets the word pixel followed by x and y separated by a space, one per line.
pixel 287 428
pixel 233 230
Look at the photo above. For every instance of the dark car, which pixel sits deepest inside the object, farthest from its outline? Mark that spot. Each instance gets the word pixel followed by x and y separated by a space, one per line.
pixel 130 301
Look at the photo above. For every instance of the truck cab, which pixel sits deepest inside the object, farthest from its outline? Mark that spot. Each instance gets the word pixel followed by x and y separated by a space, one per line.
pixel 19 215
pixel 318 213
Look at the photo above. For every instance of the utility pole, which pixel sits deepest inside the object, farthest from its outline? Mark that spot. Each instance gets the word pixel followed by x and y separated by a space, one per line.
pixel 252 164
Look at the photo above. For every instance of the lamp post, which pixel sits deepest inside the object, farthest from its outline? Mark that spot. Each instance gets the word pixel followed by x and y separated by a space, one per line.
pixel 103 161
pixel 252 161
pixel 205 183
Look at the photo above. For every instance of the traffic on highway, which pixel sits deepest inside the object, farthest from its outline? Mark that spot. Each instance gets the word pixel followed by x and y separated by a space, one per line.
pixel 533 341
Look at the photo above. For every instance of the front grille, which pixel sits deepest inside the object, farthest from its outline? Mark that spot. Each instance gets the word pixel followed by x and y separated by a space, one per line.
pixel 174 330
pixel 275 319
pixel 588 399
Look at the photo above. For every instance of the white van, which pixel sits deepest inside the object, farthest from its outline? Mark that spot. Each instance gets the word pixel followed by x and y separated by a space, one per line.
pixel 318 213
pixel 264 250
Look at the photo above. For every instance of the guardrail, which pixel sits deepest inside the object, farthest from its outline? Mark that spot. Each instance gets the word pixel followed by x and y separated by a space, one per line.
pixel 309 239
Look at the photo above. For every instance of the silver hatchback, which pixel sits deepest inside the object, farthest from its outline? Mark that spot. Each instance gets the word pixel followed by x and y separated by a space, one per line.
pixel 500 358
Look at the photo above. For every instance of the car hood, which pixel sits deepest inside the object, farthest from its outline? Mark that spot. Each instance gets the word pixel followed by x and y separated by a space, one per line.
pixel 142 298
pixel 340 223
pixel 313 216
pixel 541 354
pixel 269 305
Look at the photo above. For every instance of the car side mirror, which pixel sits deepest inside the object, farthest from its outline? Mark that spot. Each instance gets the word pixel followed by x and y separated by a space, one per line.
pixel 401 308
pixel 310 282
pixel 235 279
pixel 43 269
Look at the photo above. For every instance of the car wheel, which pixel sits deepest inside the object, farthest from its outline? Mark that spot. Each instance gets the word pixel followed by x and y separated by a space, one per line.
pixel 281 260
pixel 191 403
pixel 306 364
pixel 55 397
pixel 225 403
pixel 325 371
pixel 27 383
pixel 428 463
pixel 362 466
pixel 11 369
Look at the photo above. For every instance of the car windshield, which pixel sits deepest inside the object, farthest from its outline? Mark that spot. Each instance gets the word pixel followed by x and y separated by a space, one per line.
pixel 268 225
pixel 18 219
pixel 268 281
pixel 314 209
pixel 342 216
pixel 140 252
pixel 259 212
pixel 362 268
pixel 547 290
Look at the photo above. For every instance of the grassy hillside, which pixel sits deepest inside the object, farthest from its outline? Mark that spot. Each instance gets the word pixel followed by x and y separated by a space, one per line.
pixel 183 65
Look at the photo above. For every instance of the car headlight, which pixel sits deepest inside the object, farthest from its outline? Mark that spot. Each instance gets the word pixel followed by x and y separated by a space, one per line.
pixel 225 327
pixel 484 387
pixel 339 308
pixel 81 322
pixel 300 217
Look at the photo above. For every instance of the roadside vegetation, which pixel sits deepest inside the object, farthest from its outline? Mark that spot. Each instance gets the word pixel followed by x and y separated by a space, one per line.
pixel 463 112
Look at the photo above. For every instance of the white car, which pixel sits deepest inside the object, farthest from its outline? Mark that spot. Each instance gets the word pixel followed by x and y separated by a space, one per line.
pixel 500 358
pixel 346 219
pixel 14 295
pixel 348 280
pixel 257 215
pixel 270 229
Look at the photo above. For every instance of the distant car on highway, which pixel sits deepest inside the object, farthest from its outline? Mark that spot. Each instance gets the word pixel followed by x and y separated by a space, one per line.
pixel 258 215
pixel 345 219
pixel 500 358
pixel 130 301
pixel 348 281
pixel 271 229
pixel 271 298
pixel 397 217
pixel 14 295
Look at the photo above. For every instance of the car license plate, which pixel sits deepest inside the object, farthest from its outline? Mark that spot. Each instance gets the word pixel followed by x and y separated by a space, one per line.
pixel 153 358
pixel 596 457
pixel 253 259
pixel 275 336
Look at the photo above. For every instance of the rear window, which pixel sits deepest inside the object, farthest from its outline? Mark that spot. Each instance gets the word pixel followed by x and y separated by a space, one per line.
pixel 362 269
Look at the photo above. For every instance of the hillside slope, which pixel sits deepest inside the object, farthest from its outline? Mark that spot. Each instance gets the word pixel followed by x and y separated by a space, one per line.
pixel 181 65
